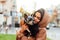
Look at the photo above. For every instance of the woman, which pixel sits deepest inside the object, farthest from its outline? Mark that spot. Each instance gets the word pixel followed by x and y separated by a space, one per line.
pixel 41 18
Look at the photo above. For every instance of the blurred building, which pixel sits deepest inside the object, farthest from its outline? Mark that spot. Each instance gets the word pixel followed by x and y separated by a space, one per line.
pixel 58 17
pixel 55 14
pixel 2 2
pixel 7 9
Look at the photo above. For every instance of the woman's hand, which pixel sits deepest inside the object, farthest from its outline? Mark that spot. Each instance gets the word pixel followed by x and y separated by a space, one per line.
pixel 19 34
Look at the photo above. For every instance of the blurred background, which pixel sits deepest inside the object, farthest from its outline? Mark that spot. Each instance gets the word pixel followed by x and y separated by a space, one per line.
pixel 11 12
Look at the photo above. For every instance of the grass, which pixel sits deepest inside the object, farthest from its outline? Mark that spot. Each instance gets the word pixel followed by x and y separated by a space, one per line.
pixel 48 39
pixel 10 37
pixel 7 37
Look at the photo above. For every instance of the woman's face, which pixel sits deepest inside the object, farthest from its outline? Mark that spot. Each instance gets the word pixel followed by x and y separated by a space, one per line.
pixel 37 17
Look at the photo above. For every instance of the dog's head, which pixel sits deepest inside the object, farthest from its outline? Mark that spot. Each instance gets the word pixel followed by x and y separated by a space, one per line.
pixel 29 20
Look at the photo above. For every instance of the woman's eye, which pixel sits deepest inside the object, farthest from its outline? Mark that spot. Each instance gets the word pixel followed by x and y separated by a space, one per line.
pixel 38 18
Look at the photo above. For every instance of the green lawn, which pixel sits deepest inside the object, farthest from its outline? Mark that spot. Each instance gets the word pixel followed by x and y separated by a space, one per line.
pixel 48 39
pixel 9 37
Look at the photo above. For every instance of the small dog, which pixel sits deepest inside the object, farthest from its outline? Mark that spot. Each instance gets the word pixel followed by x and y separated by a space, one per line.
pixel 32 28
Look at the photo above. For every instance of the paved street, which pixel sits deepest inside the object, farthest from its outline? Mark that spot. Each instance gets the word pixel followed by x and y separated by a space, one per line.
pixel 53 33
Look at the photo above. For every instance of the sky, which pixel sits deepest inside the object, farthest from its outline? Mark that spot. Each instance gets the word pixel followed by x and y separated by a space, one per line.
pixel 29 6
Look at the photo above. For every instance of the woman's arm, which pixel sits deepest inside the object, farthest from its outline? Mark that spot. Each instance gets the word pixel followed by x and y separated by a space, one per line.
pixel 23 27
